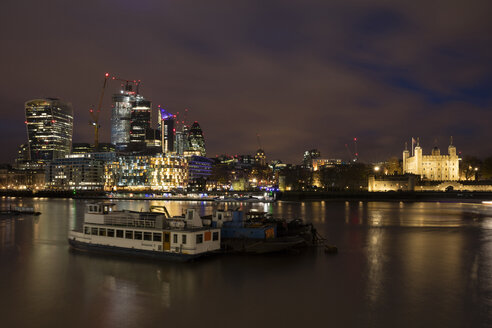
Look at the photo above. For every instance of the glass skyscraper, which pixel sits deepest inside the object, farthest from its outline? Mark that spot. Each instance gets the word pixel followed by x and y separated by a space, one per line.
pixel 196 140
pixel 167 130
pixel 130 119
pixel 120 117
pixel 49 124
pixel 139 120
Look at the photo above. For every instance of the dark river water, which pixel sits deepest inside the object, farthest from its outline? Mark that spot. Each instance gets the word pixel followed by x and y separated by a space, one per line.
pixel 400 264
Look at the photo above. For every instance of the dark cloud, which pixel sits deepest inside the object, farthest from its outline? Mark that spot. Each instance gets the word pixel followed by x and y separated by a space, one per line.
pixel 303 74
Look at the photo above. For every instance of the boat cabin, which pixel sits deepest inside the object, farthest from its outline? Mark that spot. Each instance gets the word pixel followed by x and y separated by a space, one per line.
pixel 103 208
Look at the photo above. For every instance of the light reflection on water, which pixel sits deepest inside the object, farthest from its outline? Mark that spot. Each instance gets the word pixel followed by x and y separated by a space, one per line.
pixel 399 264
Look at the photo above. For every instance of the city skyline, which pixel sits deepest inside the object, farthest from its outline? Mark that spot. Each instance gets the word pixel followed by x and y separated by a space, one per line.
pixel 302 75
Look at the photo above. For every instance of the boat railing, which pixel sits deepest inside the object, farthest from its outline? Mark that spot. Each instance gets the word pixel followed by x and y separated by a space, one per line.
pixel 129 222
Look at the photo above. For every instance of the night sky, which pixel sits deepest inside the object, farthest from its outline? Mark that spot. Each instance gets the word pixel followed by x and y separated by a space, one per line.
pixel 303 74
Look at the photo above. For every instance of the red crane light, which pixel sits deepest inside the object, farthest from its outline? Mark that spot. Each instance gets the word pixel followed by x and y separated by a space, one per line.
pixel 107 74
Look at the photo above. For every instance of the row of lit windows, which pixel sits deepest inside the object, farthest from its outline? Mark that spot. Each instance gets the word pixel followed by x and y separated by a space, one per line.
pixel 127 234
pixel 143 235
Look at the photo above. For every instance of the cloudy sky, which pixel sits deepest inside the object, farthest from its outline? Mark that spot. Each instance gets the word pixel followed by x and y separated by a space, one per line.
pixel 303 74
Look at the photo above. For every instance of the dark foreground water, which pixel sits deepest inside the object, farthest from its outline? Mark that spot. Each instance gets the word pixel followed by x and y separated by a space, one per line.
pixel 399 265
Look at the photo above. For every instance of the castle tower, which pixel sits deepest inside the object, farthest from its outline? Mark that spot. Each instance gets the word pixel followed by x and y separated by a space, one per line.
pixel 451 148
pixel 406 155
pixel 418 158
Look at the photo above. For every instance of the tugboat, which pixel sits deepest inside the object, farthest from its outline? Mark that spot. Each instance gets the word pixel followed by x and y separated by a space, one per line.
pixel 145 234
pixel 259 235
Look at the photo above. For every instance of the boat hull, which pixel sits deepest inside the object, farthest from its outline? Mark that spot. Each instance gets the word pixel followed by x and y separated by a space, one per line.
pixel 258 246
pixel 133 252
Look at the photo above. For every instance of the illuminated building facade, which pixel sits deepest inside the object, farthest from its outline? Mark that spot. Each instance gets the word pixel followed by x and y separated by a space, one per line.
pixel 199 168
pixel 160 172
pixel 309 156
pixel 121 116
pixel 81 148
pixel 140 116
pixel 260 157
pixel 196 141
pixel 180 142
pixel 318 163
pixel 75 172
pixel 168 131
pixel 49 124
pixel 434 167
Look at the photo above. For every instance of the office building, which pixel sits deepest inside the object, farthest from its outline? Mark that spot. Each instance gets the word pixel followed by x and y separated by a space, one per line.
pixel 140 117
pixel 156 172
pixel 168 131
pixel 49 124
pixel 75 172
pixel 196 142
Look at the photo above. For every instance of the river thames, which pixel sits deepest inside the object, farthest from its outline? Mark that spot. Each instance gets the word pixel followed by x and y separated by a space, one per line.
pixel 400 264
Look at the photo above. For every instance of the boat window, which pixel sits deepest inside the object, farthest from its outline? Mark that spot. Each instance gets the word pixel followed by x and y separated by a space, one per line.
pixel 157 236
pixel 183 239
pixel 147 235
pixel 215 236
pixel 102 231
pixel 94 231
pixel 128 234
pixel 138 235
pixel 87 230
pixel 119 233
pixel 175 238
pixel 199 238
pixel 110 232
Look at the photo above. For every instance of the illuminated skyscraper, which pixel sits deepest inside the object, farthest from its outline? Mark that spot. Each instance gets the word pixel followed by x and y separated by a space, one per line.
pixel 121 116
pixel 139 120
pixel 49 124
pixel 195 139
pixel 130 117
pixel 168 130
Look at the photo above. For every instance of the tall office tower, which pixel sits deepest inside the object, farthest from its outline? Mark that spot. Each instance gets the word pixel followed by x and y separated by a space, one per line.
pixel 181 142
pixel 168 131
pixel 195 139
pixel 49 128
pixel 139 120
pixel 309 156
pixel 121 116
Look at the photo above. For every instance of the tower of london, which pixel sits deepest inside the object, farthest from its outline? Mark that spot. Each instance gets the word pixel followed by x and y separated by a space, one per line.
pixel 435 167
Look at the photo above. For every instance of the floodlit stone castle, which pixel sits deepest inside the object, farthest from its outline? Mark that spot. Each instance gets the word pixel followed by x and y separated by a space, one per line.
pixel 434 167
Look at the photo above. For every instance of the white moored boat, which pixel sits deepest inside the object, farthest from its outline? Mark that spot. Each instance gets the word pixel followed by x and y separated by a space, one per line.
pixel 147 234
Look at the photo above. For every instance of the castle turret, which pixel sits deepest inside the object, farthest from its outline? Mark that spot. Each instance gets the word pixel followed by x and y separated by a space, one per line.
pixel 451 148
pixel 406 155
pixel 418 158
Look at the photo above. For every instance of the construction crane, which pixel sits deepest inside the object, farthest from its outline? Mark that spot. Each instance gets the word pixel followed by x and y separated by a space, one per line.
pixel 354 156
pixel 95 113
pixel 127 83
